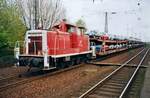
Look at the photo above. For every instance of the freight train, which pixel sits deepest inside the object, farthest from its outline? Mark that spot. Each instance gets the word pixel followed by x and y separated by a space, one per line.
pixel 65 45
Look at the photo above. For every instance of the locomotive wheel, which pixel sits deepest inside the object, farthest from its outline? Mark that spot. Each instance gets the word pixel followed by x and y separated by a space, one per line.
pixel 29 69
pixel 84 60
pixel 20 75
pixel 26 62
pixel 60 65
pixel 21 62
pixel 78 61
pixel 63 65
pixel 71 63
pixel 34 62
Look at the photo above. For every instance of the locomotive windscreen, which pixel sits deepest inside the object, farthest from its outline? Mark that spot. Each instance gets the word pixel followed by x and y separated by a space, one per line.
pixel 35 45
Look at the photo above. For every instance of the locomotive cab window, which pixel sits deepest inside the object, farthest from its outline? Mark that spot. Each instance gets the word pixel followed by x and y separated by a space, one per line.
pixel 81 30
pixel 71 28
pixel 34 43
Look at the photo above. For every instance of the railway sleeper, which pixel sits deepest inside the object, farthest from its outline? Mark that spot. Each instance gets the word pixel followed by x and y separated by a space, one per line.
pixel 96 96
pixel 112 87
pixel 115 84
pixel 118 81
pixel 83 89
pixel 107 94
pixel 121 75
pixel 121 78
pixel 110 90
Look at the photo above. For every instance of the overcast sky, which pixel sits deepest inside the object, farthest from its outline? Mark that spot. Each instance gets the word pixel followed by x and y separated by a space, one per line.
pixel 131 18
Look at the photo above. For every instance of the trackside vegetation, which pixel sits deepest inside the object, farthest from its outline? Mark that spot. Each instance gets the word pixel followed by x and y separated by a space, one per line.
pixel 11 29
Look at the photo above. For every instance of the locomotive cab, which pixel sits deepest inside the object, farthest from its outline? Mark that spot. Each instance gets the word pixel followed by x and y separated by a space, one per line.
pixel 34 52
pixel 34 42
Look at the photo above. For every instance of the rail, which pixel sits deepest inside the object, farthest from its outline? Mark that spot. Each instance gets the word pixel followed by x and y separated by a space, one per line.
pixel 131 79
pixel 107 77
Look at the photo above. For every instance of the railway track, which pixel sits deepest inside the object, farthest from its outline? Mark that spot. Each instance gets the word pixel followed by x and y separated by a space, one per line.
pixel 116 84
pixel 14 81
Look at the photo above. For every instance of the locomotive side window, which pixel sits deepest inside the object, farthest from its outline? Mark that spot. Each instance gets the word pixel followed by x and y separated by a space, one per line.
pixel 81 30
pixel 71 29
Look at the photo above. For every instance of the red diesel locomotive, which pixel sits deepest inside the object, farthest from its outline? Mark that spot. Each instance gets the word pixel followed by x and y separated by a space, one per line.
pixel 64 46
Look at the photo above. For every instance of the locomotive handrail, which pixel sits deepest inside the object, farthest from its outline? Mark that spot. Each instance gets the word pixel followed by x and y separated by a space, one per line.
pixel 59 48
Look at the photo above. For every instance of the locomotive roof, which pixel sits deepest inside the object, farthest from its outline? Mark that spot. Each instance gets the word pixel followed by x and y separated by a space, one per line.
pixel 32 31
pixel 67 23
pixel 82 27
pixel 72 25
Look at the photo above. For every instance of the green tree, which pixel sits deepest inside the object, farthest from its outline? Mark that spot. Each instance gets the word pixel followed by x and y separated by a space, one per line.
pixel 11 27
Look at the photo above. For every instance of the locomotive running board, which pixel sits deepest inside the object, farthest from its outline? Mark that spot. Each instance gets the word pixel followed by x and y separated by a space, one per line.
pixel 24 55
pixel 71 54
pixel 49 68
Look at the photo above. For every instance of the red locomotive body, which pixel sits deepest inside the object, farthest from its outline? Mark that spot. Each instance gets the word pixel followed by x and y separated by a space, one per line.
pixel 58 48
pixel 66 43
pixel 58 43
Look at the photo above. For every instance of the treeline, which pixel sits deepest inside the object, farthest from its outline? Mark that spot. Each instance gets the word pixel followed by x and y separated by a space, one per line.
pixel 11 29
pixel 16 16
pixel 11 26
